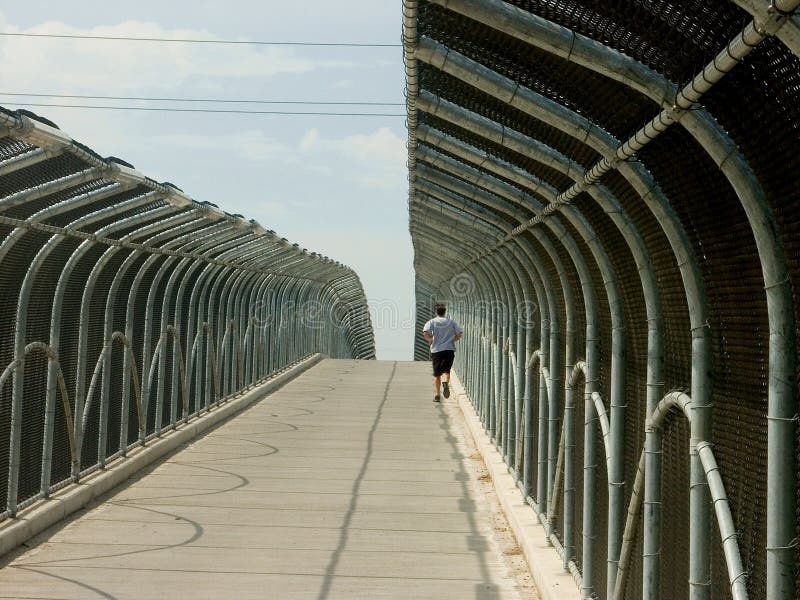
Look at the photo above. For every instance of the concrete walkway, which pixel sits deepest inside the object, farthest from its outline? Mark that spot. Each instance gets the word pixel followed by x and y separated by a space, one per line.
pixel 346 483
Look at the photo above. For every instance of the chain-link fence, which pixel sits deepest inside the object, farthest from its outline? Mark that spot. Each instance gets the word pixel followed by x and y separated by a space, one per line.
pixel 605 195
pixel 127 308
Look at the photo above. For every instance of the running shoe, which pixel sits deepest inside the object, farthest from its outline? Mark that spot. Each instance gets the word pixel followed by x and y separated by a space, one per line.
pixel 446 387
pixel 436 398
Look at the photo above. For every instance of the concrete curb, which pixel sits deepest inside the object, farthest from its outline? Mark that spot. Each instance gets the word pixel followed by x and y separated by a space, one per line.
pixel 46 513
pixel 543 561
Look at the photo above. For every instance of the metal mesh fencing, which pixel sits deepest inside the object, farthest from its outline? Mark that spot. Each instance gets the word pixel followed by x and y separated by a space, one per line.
pixel 605 196
pixel 128 309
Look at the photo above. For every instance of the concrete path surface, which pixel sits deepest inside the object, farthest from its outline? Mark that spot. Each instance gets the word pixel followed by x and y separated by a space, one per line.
pixel 346 483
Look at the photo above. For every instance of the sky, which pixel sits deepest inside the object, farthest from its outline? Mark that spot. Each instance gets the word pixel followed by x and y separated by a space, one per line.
pixel 334 184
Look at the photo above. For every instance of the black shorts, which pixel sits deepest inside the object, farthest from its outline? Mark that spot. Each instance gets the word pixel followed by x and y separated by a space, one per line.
pixel 442 362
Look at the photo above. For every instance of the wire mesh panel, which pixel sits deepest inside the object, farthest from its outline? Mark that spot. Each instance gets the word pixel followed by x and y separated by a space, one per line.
pixel 129 308
pixel 653 146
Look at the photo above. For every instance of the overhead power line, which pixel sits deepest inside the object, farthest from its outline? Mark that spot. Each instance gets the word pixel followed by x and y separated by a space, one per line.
pixel 196 41
pixel 202 100
pixel 212 110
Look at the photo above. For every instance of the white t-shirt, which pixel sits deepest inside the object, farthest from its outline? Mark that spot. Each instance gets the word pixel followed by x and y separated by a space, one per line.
pixel 443 330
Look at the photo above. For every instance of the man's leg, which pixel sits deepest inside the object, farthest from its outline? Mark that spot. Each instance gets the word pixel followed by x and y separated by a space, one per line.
pixel 437 375
pixel 446 373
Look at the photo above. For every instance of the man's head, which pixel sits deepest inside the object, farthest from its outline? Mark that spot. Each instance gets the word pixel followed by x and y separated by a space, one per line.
pixel 440 310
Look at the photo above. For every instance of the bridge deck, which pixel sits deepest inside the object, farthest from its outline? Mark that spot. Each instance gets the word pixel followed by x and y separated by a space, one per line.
pixel 346 483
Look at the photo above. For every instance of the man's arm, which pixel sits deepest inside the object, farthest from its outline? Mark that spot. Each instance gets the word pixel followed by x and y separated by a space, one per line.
pixel 426 333
pixel 458 336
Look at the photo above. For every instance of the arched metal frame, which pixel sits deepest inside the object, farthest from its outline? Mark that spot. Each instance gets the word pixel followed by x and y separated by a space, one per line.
pixel 481 190
pixel 149 307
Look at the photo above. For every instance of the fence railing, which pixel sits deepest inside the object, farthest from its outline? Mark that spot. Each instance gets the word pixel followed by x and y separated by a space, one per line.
pixel 128 308
pixel 608 224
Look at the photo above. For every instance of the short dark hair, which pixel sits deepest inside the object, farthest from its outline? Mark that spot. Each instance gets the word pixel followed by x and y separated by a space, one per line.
pixel 441 310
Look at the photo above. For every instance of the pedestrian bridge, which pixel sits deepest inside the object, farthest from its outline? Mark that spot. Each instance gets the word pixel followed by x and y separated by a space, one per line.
pixel 347 482
pixel 606 195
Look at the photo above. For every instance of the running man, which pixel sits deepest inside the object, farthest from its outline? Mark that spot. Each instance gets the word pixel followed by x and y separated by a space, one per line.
pixel 442 333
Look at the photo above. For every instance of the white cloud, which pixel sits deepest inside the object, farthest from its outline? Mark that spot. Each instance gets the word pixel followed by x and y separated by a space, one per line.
pixel 310 140
pixel 371 161
pixel 374 161
pixel 250 145
pixel 382 145
pixel 118 66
